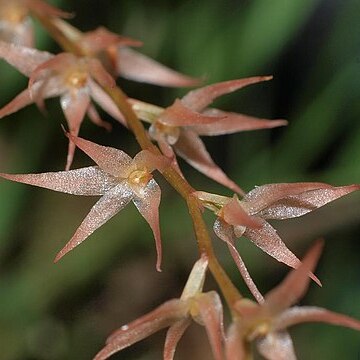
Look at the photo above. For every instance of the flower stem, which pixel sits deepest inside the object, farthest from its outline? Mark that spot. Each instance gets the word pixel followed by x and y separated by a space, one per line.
pixel 180 184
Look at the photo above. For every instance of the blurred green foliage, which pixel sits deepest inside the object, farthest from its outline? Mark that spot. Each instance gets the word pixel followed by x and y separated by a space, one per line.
pixel 65 311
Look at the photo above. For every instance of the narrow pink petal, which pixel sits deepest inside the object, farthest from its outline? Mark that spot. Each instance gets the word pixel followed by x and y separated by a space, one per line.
pixel 264 196
pixel 296 283
pixel 234 122
pixel 226 233
pixel 99 73
pixel 298 205
pixel 19 102
pixel 96 119
pixel 24 59
pixel 234 214
pixel 163 316
pixel 211 315
pixel 75 106
pixel 180 115
pixel 104 100
pixel 173 336
pixel 135 66
pixel 148 205
pixel 277 346
pixel 269 241
pixel 107 206
pixel 111 160
pixel 191 148
pixel 199 99
pixel 85 181
pixel 301 314
pixel 234 346
pixel 101 39
pixel 44 9
pixel 150 161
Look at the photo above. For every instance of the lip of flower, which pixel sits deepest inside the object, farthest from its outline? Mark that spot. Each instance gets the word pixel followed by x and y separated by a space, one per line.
pixel 76 78
pixel 159 130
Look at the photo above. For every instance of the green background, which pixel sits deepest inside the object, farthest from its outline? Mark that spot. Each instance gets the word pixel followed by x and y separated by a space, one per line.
pixel 312 47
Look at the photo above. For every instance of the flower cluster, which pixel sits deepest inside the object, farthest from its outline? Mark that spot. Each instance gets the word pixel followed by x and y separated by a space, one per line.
pixel 84 75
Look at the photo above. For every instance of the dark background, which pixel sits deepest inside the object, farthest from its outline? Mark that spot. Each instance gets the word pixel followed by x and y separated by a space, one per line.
pixel 312 47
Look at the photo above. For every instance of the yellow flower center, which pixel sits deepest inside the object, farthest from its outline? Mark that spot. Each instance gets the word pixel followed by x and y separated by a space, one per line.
pixel 139 177
pixel 76 79
pixel 171 133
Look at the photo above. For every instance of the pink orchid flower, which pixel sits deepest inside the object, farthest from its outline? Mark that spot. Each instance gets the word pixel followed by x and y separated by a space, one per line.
pixel 177 314
pixel 123 61
pixel 74 79
pixel 117 178
pixel 179 127
pixel 15 23
pixel 266 323
pixel 249 216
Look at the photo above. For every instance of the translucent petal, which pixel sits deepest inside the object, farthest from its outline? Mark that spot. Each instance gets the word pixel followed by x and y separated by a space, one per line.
pixel 311 195
pixel 135 66
pixel 199 99
pixel 180 115
pixel 298 205
pixel 196 279
pixel 234 122
pixel 269 241
pixel 173 336
pixel 107 206
pixel 85 181
pixel 148 206
pixel 192 149
pixel 111 160
pixel 211 315
pixel 24 59
pixel 165 315
pixel 277 346
pixel 301 314
pixel 104 100
pixel 226 233
pixel 296 283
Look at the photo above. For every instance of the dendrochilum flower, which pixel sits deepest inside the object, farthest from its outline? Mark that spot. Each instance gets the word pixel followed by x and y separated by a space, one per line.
pixel 117 178
pixel 74 79
pixel 15 22
pixel 266 323
pixel 179 127
pixel 177 314
pixel 248 217
pixel 123 61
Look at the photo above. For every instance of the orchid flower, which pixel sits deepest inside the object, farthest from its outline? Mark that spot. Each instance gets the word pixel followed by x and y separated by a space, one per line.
pixel 117 178
pixel 177 314
pixel 15 23
pixel 121 59
pixel 74 79
pixel 179 127
pixel 247 217
pixel 266 323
